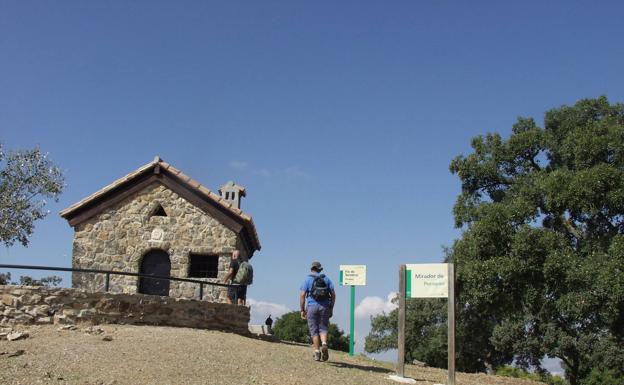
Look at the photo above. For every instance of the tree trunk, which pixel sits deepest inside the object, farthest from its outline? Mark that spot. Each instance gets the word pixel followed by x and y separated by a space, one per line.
pixel 573 375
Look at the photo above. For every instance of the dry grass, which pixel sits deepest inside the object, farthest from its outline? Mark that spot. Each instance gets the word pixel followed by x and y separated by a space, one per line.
pixel 164 355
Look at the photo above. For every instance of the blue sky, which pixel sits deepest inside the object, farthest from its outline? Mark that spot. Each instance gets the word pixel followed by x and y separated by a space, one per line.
pixel 340 118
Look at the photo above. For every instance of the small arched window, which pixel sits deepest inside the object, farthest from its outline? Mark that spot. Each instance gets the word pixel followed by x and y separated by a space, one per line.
pixel 158 211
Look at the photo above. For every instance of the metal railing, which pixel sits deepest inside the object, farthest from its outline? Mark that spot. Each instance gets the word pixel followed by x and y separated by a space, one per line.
pixel 108 273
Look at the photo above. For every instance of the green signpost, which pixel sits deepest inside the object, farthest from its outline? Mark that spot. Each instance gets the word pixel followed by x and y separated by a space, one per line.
pixel 352 321
pixel 352 275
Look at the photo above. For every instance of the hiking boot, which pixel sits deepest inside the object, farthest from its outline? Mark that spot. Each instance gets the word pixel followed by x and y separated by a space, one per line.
pixel 324 352
pixel 317 355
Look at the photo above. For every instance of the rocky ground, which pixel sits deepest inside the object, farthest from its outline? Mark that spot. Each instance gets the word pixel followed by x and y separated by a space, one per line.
pixel 118 354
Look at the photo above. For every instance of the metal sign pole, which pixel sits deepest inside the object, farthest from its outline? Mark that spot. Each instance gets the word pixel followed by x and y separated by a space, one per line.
pixel 451 324
pixel 352 321
pixel 352 275
pixel 401 345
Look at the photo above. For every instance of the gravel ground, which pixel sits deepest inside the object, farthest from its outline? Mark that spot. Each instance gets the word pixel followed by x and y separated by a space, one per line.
pixel 165 355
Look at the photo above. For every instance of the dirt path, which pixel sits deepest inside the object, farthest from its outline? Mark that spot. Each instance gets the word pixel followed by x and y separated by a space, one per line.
pixel 163 355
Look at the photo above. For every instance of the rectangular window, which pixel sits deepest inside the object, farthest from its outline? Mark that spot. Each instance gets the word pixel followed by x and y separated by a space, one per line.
pixel 203 266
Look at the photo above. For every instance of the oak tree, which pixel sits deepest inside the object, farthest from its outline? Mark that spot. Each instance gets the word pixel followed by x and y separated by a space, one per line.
pixel 542 250
pixel 541 257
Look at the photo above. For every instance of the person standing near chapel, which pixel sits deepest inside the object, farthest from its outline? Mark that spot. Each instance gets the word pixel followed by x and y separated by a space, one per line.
pixel 235 293
pixel 317 298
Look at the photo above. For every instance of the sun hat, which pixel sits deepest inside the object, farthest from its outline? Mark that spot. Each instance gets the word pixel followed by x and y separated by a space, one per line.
pixel 317 266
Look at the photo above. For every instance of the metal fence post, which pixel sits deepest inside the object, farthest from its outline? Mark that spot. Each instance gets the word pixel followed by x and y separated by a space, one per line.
pixel 107 282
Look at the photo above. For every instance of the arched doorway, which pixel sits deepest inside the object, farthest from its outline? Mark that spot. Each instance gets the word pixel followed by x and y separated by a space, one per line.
pixel 155 262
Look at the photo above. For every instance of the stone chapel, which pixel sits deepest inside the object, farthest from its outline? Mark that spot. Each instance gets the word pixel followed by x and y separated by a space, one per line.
pixel 157 220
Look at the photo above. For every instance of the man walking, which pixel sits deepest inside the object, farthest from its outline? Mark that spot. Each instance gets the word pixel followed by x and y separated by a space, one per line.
pixel 316 299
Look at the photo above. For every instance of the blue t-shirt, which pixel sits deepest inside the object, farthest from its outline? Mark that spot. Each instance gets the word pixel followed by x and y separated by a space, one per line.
pixel 307 287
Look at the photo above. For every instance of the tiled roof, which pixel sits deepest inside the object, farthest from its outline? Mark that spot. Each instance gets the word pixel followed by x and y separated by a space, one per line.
pixel 149 168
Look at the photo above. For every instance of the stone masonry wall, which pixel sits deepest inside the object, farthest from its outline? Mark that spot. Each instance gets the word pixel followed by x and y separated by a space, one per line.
pixel 37 305
pixel 119 237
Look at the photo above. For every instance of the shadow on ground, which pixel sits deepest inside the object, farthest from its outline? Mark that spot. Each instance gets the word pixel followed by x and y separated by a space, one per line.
pixel 367 368
pixel 276 341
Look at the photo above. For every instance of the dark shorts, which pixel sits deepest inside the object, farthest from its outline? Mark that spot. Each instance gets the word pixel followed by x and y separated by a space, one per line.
pixel 318 319
pixel 239 292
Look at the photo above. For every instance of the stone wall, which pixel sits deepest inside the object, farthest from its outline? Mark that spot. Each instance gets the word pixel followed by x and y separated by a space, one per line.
pixel 37 305
pixel 119 237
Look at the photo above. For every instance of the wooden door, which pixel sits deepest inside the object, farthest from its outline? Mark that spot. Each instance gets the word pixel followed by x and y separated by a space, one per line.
pixel 155 262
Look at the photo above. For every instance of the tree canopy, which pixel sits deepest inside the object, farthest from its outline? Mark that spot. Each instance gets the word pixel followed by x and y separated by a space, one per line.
pixel 27 177
pixel 539 263
pixel 425 332
pixel 542 250
pixel 26 280
pixel 290 327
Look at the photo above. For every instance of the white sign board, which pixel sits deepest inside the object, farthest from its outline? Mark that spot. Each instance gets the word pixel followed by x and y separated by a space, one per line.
pixel 353 275
pixel 426 280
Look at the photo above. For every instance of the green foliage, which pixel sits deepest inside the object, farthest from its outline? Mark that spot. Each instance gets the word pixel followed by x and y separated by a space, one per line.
pixel 542 249
pixel 290 327
pixel 426 336
pixel 600 376
pixel 5 278
pixel 336 338
pixel 26 178
pixel 49 281
pixel 605 365
pixel 512 371
pixel 25 280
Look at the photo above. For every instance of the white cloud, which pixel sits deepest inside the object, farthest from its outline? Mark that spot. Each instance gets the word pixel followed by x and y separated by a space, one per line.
pixel 292 172
pixel 238 164
pixel 260 310
pixel 262 172
pixel 372 306
pixel 296 172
